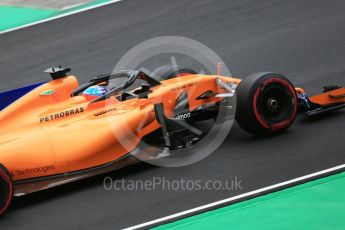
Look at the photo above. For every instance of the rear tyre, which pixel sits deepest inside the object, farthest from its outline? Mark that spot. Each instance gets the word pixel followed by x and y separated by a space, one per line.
pixel 168 72
pixel 6 189
pixel 266 104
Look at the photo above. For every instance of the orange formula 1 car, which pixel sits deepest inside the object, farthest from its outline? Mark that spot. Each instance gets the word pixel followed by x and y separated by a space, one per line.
pixel 57 132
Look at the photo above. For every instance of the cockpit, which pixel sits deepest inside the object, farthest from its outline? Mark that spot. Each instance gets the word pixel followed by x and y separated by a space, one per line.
pixel 123 85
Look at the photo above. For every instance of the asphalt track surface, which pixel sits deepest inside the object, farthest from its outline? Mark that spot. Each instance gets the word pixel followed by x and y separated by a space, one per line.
pixel 301 39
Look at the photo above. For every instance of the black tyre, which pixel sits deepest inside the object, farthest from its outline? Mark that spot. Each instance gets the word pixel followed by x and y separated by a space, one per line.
pixel 6 189
pixel 266 104
pixel 168 72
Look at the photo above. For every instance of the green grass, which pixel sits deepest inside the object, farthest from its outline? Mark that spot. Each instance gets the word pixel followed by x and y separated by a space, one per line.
pixel 318 204
pixel 11 17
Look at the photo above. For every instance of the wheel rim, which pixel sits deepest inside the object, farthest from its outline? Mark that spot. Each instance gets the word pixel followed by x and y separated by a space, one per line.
pixel 6 191
pixel 275 104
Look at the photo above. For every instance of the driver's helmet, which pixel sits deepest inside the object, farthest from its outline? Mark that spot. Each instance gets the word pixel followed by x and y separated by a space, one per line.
pixel 94 92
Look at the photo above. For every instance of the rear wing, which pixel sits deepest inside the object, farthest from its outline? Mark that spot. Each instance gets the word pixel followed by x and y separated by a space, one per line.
pixel 8 97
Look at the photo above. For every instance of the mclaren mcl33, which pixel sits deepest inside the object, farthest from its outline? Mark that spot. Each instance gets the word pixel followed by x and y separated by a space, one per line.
pixel 58 131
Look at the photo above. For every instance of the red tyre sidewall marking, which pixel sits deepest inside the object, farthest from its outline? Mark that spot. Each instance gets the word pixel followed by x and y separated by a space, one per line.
pixel 282 124
pixel 8 200
pixel 182 74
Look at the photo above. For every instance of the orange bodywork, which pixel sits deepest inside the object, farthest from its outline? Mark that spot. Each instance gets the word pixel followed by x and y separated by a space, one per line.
pixel 329 98
pixel 333 97
pixel 49 134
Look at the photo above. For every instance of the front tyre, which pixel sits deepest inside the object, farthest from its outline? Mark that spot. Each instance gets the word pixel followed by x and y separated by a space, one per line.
pixel 6 189
pixel 266 104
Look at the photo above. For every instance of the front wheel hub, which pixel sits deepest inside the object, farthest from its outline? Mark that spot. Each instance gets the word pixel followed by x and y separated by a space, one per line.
pixel 272 104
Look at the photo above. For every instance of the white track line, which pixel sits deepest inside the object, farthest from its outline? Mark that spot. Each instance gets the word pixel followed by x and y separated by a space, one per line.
pixel 248 194
pixel 60 16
